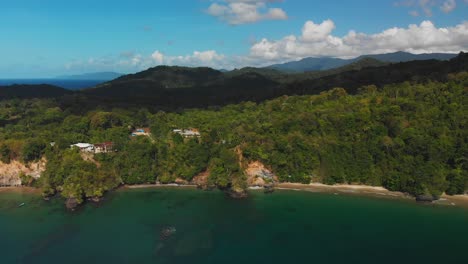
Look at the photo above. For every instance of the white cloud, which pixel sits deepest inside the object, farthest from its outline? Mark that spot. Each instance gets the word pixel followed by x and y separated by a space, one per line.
pixel 197 58
pixel 426 6
pixel 317 40
pixel 312 32
pixel 158 57
pixel 448 6
pixel 314 40
pixel 209 58
pixel 236 12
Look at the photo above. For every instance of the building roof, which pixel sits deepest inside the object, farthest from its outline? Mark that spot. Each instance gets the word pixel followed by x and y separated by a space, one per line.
pixel 104 144
pixel 142 130
pixel 187 132
pixel 83 145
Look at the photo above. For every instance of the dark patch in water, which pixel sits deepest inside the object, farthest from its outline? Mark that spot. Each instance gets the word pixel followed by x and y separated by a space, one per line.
pixel 279 237
pixel 43 245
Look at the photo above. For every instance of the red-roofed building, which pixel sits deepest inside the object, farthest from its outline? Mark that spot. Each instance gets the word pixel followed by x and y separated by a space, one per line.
pixel 105 147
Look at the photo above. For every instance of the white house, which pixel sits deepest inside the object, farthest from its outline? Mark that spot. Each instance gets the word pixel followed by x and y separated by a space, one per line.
pixel 85 147
pixel 187 132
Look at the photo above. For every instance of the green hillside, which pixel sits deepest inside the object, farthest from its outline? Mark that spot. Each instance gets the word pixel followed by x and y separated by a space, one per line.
pixel 408 137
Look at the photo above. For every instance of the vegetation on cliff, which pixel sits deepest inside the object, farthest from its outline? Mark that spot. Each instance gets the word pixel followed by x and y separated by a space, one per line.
pixel 409 137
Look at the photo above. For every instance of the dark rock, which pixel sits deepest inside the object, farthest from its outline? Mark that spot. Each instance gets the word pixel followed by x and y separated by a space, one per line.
pixel 167 232
pixel 268 188
pixel 238 193
pixel 426 198
pixel 71 203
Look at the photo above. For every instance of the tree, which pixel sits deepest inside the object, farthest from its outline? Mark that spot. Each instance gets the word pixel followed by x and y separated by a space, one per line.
pixel 33 150
pixel 5 153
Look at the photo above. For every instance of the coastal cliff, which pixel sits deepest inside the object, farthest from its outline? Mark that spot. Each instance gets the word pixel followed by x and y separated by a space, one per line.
pixel 15 172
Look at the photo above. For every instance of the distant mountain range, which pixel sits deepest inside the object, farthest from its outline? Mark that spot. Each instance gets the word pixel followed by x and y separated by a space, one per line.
pixel 327 63
pixel 172 88
pixel 96 76
pixel 169 88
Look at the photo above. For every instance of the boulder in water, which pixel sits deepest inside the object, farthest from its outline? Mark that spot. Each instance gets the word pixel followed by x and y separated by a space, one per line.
pixel 71 203
pixel 167 232
pixel 269 188
pixel 237 193
pixel 426 198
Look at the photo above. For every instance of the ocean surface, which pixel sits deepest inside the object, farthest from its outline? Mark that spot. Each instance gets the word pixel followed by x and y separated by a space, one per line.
pixel 67 84
pixel 208 227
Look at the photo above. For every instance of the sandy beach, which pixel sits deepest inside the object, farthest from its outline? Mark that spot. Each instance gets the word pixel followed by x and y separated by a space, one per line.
pixel 20 190
pixel 455 200
pixel 143 186
pixel 342 188
pixel 461 200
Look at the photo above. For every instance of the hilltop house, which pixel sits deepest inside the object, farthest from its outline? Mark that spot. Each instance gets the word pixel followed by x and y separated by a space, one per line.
pixel 141 132
pixel 105 147
pixel 84 147
pixel 187 133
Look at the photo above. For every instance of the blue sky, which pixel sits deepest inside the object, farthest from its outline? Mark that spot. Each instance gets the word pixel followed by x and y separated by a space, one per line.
pixel 46 38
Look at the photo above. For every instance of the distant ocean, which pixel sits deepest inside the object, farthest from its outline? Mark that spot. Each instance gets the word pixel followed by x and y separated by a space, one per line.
pixel 67 84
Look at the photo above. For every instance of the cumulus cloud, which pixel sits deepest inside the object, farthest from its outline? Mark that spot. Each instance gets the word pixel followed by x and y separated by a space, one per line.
pixel 158 57
pixel 128 62
pixel 236 12
pixel 209 58
pixel 312 32
pixel 317 40
pixel 314 40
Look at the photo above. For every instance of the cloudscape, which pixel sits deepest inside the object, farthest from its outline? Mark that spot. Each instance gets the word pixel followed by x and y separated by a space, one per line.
pixel 224 34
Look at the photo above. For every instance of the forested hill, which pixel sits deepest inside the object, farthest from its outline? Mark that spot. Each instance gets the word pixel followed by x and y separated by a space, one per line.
pixel 401 126
pixel 408 137
pixel 179 87
pixel 32 91
pixel 170 88
pixel 417 71
pixel 327 63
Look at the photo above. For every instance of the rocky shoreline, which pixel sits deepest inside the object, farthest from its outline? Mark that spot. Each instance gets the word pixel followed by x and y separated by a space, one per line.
pixel 374 191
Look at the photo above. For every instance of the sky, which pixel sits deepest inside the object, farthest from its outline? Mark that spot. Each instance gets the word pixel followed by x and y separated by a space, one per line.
pixel 48 38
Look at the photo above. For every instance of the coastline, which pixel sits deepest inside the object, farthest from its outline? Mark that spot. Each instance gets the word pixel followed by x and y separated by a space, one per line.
pixel 20 189
pixel 156 185
pixel 459 200
pixel 374 191
pixel 343 189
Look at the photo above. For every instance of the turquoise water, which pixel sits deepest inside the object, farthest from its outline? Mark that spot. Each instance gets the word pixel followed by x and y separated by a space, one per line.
pixel 286 226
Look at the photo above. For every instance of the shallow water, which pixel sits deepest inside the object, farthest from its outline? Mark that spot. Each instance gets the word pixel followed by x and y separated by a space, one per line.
pixel 285 226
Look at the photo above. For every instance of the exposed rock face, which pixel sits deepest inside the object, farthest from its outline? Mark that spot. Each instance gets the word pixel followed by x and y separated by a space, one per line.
pixel 10 173
pixel 201 180
pixel 181 181
pixel 259 175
